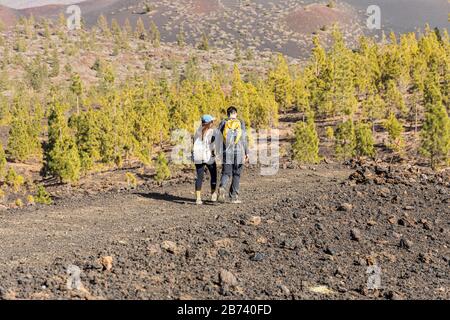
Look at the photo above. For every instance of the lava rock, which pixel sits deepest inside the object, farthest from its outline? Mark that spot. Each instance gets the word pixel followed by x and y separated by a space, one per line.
pixel 405 244
pixel 107 263
pixel 170 247
pixel 258 256
pixel 254 221
pixel 355 234
pixel 227 278
pixel 345 207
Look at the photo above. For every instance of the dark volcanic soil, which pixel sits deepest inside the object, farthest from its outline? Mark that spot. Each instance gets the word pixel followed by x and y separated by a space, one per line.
pixel 304 230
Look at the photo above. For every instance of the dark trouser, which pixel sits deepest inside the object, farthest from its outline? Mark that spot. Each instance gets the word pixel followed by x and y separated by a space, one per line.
pixel 233 170
pixel 212 168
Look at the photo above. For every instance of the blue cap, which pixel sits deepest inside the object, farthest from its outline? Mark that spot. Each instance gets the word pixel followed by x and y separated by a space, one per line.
pixel 207 118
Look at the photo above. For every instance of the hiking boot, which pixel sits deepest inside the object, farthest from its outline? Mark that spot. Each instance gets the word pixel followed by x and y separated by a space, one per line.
pixel 199 198
pixel 222 195
pixel 214 197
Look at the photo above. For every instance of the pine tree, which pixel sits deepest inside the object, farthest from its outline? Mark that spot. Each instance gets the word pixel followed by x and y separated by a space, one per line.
pixel 319 78
pixel 364 140
pixel 374 108
pixel 162 168
pixel 345 140
pixel 301 94
pixel 155 36
pixel 76 87
pixel 394 98
pixel 102 23
pixel 181 38
pixel 14 180
pixel 128 30
pixel 115 28
pixel 61 152
pixel 264 109
pixel 391 61
pixel 281 82
pixel 435 134
pixel 341 97
pixel 37 73
pixel 87 138
pixel 47 32
pixel 23 141
pixel 3 162
pixel 140 32
pixel 239 96
pixel 306 146
pixel 395 130
pixel 367 67
pixel 204 43
pixel 42 196
pixel 54 63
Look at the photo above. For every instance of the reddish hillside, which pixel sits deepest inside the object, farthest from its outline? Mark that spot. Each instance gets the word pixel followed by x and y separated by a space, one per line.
pixel 7 16
pixel 313 17
pixel 48 10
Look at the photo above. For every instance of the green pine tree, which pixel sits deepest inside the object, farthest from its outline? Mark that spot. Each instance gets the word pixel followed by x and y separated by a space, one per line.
pixel 395 131
pixel 3 162
pixel 162 168
pixel 364 140
pixel 435 134
pixel 306 146
pixel 61 153
pixel 42 196
pixel 76 87
pixel 345 140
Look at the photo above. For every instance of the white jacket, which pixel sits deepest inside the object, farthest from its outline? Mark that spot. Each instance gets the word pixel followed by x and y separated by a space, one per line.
pixel 204 149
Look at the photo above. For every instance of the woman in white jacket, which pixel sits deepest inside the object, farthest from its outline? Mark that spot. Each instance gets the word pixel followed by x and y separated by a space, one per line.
pixel 204 157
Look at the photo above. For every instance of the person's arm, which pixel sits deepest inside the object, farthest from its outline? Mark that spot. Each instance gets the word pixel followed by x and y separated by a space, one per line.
pixel 244 138
pixel 221 126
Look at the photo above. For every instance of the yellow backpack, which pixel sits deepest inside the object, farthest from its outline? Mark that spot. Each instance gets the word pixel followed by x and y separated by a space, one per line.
pixel 232 131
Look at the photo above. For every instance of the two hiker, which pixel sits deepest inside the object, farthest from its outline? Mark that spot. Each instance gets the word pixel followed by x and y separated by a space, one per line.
pixel 230 142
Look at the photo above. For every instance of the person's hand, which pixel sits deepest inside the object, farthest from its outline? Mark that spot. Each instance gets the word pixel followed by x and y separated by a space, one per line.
pixel 246 159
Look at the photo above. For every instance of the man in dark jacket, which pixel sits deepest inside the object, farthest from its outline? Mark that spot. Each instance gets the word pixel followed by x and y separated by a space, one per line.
pixel 235 153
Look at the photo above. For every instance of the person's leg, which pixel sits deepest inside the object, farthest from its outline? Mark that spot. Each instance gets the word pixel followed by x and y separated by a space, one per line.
pixel 212 168
pixel 200 168
pixel 235 183
pixel 227 172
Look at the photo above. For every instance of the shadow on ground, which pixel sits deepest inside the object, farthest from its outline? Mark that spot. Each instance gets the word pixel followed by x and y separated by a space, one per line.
pixel 167 197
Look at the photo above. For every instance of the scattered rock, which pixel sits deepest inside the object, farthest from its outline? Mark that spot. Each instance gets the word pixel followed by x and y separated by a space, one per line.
pixel 227 279
pixel 345 207
pixel 170 247
pixel 258 256
pixel 7 294
pixel 254 221
pixel 426 224
pixel 393 295
pixel 330 251
pixel 355 234
pixel 223 243
pixel 425 258
pixel 321 290
pixel 285 290
pixel 261 240
pixel 185 297
pixel 154 249
pixel 405 244
pixel 107 263
pixel 392 220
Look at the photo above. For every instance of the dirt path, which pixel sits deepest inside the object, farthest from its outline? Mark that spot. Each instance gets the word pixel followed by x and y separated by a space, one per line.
pixel 302 240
